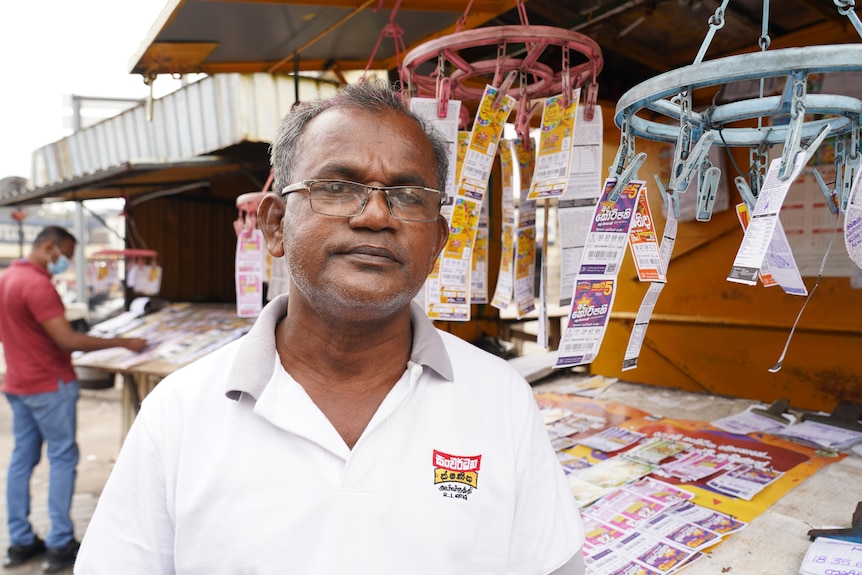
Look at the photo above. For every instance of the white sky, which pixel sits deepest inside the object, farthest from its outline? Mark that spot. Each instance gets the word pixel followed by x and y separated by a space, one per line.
pixel 54 48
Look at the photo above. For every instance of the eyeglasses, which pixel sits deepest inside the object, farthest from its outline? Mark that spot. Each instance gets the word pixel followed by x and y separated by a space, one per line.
pixel 346 199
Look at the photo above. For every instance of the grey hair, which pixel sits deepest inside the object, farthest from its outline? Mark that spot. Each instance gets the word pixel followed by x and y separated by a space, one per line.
pixel 372 94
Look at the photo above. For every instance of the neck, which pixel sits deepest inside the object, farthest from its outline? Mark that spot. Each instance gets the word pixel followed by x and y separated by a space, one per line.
pixel 358 355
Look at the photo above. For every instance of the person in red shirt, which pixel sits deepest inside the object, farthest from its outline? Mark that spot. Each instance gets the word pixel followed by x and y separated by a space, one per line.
pixel 42 388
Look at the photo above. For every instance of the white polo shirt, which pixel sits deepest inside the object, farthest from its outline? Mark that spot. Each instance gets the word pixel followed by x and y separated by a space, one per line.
pixel 230 468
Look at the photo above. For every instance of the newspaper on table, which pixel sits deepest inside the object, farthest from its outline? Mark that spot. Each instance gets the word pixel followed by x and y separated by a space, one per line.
pixel 821 435
pixel 750 421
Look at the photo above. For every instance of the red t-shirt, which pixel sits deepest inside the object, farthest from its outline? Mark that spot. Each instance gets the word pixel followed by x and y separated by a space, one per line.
pixel 34 363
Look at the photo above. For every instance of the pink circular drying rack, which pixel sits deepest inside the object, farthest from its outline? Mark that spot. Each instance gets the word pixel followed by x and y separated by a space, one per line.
pixel 534 79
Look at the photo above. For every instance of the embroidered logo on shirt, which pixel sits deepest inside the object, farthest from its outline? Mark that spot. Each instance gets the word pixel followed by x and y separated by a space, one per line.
pixel 457 475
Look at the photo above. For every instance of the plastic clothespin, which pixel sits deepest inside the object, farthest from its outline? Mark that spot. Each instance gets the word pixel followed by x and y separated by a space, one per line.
pixel 627 175
pixel 807 149
pixel 745 192
pixel 504 88
pixel 444 92
pixel 852 534
pixel 683 173
pixel 793 101
pixel 774 411
pixel 832 199
pixel 671 202
pixel 846 414
pixel 591 99
pixel 707 192
pixel 852 165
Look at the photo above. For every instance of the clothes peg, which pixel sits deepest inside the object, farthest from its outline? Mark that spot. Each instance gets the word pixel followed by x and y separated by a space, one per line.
pixel 774 411
pixel 793 101
pixel 852 534
pixel 504 88
pixel 808 149
pixel 832 199
pixel 444 93
pixel 706 193
pixel 745 192
pixel 851 168
pixel 627 175
pixel 684 171
pixel 846 414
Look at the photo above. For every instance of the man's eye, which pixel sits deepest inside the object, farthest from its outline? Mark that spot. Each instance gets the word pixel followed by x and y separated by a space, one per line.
pixel 337 188
pixel 408 197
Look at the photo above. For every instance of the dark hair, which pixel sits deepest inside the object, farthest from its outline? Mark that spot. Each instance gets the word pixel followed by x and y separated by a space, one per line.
pixel 372 94
pixel 54 234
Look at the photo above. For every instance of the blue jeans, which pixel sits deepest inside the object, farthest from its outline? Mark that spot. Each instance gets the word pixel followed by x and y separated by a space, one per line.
pixel 50 418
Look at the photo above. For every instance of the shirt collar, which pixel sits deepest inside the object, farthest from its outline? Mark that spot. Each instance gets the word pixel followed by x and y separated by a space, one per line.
pixel 252 366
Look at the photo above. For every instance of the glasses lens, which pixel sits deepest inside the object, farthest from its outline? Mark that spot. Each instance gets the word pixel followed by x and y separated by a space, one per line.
pixel 335 198
pixel 338 198
pixel 414 204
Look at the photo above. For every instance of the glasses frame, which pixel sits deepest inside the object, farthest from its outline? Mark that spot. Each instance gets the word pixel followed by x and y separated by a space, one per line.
pixel 304 186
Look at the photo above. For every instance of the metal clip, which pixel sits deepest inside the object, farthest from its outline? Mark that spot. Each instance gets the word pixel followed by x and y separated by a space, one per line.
pixel 831 196
pixel 706 193
pixel 745 191
pixel 851 169
pixel 504 88
pixel 626 163
pixel 684 171
pixel 629 173
pixel 852 165
pixel 795 93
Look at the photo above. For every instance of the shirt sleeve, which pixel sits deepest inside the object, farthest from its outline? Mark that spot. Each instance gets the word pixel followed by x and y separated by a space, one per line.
pixel 44 302
pixel 132 530
pixel 547 534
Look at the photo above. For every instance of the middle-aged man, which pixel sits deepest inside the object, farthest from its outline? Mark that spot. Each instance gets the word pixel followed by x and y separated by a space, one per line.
pixel 344 433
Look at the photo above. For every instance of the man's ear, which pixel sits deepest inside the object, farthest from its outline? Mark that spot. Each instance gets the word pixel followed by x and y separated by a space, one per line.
pixel 440 238
pixel 270 216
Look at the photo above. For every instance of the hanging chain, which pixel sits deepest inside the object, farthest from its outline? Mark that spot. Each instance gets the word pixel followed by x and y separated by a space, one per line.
pixel 716 21
pixel 462 21
pixel 845 8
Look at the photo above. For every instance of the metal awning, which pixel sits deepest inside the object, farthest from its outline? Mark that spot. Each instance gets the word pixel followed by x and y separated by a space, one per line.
pixel 212 128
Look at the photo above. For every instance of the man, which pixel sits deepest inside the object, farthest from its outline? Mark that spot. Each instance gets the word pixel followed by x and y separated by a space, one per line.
pixel 344 433
pixel 42 388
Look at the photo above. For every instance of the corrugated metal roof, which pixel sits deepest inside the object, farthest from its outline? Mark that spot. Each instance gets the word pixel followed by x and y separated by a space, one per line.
pixel 200 119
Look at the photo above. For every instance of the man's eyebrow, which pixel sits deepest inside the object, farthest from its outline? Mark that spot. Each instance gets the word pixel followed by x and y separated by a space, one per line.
pixel 344 172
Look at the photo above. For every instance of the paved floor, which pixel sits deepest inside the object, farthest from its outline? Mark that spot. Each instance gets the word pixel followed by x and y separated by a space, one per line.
pixel 774 543
pixel 99 424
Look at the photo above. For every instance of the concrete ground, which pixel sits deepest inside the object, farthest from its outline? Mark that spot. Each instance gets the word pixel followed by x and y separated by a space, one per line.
pixel 774 543
pixel 99 432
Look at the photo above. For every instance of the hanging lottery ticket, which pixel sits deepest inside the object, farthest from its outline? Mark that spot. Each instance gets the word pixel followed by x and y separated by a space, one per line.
pixel 448 126
pixel 525 238
pixel 648 303
pixel 779 266
pixel 644 245
pixel 853 221
pixel 555 147
pixel 505 276
pixel 764 218
pixel 588 319
pixel 455 265
pixel 609 230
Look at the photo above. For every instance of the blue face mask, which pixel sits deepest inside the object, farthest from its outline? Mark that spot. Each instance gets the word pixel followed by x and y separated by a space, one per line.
pixel 59 266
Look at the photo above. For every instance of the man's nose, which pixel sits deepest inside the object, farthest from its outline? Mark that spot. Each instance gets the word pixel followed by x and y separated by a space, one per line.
pixel 376 209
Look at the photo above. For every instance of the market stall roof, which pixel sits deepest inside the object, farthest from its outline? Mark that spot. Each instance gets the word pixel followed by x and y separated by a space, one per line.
pixel 261 41
pixel 639 38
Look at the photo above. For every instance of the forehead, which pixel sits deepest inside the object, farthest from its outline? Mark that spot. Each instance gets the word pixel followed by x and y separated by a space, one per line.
pixel 372 143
